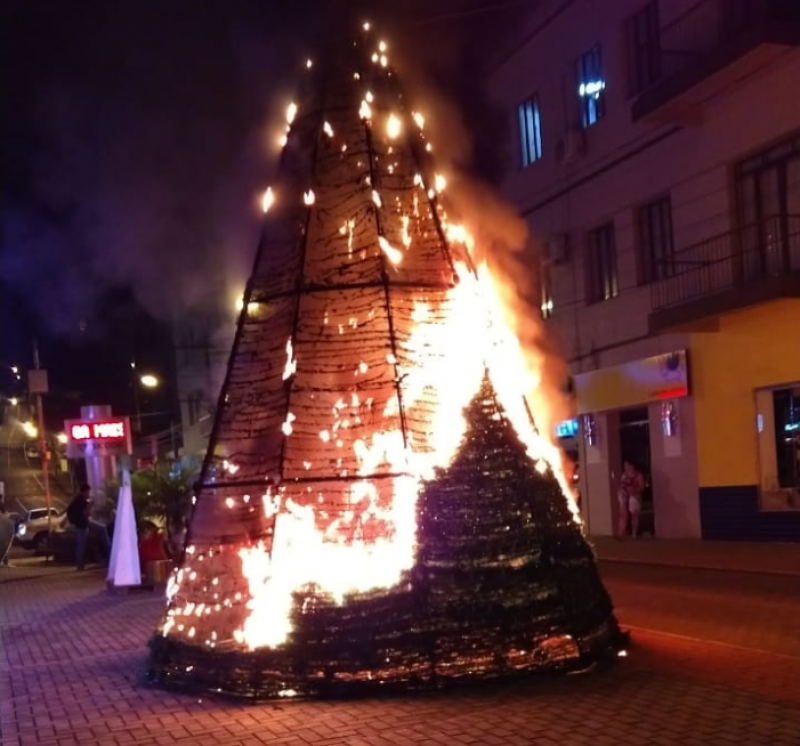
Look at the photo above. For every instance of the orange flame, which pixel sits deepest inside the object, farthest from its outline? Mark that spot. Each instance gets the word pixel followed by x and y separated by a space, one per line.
pixel 476 333
pixel 304 553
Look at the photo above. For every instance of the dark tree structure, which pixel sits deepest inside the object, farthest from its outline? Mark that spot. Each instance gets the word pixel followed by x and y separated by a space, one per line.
pixel 376 508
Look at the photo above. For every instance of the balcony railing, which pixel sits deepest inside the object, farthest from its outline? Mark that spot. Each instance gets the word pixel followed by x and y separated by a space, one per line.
pixel 712 45
pixel 729 262
pixel 710 24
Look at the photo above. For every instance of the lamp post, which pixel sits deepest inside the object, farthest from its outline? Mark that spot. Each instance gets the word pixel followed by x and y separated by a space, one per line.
pixel 38 385
pixel 14 370
pixel 148 381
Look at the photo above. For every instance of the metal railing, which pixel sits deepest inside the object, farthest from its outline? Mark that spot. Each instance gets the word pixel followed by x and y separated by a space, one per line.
pixel 709 24
pixel 729 261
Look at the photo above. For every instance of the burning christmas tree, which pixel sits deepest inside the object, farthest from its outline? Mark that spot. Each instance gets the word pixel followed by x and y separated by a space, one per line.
pixel 376 506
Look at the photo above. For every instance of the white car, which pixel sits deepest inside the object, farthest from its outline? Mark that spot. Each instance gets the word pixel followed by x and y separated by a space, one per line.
pixel 32 526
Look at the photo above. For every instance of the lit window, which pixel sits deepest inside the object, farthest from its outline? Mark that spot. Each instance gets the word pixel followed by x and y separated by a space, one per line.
pixel 778 426
pixel 530 131
pixel 786 416
pixel 547 295
pixel 591 87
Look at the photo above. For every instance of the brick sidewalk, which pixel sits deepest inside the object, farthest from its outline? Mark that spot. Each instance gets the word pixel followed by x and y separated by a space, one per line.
pixel 74 655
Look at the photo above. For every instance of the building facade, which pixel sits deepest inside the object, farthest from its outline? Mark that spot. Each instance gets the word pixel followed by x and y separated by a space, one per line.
pixel 202 348
pixel 656 159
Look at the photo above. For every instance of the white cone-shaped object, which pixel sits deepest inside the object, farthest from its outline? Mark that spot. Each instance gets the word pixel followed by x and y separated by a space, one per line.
pixel 123 567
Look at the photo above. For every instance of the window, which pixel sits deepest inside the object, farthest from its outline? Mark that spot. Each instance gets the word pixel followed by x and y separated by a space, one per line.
pixel 591 87
pixel 547 295
pixel 786 411
pixel 644 48
pixel 603 283
pixel 768 202
pixel 530 131
pixel 657 253
pixel 778 425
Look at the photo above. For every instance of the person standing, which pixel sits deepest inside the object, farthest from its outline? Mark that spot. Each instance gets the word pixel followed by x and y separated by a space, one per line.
pixel 78 516
pixel 629 495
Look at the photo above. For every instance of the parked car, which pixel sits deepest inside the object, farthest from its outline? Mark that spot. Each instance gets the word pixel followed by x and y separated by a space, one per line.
pixel 32 527
pixel 32 451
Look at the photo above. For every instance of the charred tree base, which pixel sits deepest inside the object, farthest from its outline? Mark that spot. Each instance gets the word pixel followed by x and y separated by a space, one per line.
pixel 372 667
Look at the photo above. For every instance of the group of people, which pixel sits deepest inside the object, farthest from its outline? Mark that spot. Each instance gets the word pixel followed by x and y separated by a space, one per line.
pixel 153 544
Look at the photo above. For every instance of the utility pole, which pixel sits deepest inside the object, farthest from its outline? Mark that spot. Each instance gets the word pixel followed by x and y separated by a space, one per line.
pixel 37 384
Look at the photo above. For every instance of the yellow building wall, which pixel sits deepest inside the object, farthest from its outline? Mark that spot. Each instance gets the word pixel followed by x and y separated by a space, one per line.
pixel 754 348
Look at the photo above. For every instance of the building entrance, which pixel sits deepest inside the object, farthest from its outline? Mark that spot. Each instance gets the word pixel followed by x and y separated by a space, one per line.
pixel 634 434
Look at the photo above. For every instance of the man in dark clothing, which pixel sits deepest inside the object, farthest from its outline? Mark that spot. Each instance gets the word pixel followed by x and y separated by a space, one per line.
pixel 78 516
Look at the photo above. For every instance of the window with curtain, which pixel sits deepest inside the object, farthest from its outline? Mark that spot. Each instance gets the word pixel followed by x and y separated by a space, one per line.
pixel 643 35
pixel 530 131
pixel 603 283
pixel 768 210
pixel 656 249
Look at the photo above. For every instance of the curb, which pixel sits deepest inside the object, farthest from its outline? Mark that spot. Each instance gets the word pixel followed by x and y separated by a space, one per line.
pixel 699 566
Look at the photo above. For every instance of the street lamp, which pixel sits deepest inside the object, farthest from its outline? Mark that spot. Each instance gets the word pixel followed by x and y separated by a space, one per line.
pixel 252 306
pixel 149 381
pixel 13 368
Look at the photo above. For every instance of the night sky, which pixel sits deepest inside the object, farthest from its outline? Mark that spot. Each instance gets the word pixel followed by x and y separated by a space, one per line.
pixel 136 139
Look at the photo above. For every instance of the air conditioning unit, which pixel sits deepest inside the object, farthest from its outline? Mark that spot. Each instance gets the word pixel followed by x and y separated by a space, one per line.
pixel 570 147
pixel 558 248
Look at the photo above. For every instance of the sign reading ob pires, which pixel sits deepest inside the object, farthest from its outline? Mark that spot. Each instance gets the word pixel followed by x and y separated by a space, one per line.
pixel 98 437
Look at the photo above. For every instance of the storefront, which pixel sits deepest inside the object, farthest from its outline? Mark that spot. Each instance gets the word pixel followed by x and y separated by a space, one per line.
pixel 715 428
pixel 641 412
pixel 746 386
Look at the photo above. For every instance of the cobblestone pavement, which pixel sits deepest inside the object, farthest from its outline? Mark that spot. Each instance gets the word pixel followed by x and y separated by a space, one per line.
pixel 73 657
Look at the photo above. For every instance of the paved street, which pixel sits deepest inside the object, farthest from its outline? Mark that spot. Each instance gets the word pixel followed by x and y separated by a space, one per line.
pixel 24 487
pixel 715 660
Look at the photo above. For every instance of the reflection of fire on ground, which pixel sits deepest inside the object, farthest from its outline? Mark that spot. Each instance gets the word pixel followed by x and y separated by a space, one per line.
pixel 365 333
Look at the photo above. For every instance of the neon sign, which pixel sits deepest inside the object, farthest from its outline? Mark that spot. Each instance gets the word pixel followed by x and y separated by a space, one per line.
pixel 567 428
pixel 99 430
pixel 92 438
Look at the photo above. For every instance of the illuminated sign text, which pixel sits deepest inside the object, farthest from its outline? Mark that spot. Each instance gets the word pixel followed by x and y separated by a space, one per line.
pixel 100 430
